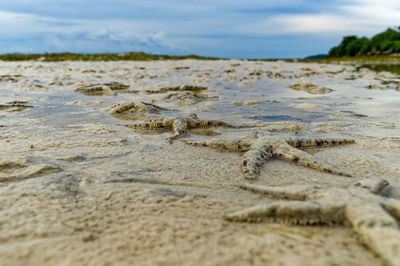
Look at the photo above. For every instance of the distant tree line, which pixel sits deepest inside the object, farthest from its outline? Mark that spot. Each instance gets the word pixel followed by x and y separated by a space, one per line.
pixel 131 56
pixel 387 42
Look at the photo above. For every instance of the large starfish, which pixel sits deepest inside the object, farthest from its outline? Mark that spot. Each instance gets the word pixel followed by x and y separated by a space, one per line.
pixel 258 150
pixel 179 125
pixel 370 214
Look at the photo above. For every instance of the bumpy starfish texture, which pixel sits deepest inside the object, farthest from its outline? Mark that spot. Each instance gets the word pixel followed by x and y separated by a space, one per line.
pixel 183 88
pixel 188 97
pixel 372 216
pixel 257 151
pixel 101 89
pixel 15 106
pixel 179 125
pixel 310 88
pixel 13 78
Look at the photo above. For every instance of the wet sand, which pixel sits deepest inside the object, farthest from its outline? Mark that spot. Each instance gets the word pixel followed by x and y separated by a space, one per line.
pixel 79 186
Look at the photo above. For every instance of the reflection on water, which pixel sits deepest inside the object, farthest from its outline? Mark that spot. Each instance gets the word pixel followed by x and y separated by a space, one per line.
pixel 381 67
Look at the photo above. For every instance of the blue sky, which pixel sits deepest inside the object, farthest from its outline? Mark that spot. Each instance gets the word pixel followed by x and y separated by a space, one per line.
pixel 235 28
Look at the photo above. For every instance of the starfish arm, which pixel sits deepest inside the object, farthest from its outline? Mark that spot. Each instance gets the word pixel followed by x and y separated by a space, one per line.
pixel 295 212
pixel 154 107
pixel 374 185
pixel 222 145
pixel 277 127
pixel 285 151
pixel 392 206
pixel 377 228
pixel 195 123
pixel 287 192
pixel 180 128
pixel 122 107
pixel 325 142
pixel 253 159
pixel 219 123
pixel 157 124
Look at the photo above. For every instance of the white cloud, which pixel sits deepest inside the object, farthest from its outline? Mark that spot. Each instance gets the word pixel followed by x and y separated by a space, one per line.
pixel 353 17
pixel 84 35
pixel 307 24
pixel 375 12
pixel 17 24
pixel 184 26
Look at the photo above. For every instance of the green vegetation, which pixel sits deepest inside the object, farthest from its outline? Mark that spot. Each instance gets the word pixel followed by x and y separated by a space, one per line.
pixel 384 68
pixel 393 59
pixel 132 56
pixel 379 53
pixel 384 43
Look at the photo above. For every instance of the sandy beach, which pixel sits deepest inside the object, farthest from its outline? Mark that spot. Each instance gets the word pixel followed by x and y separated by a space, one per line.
pixel 84 180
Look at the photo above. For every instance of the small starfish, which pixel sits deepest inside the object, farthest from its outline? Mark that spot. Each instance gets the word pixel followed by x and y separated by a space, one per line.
pixel 13 78
pixel 101 89
pixel 133 110
pixel 188 97
pixel 15 106
pixel 179 125
pixel 360 205
pixel 183 88
pixel 257 151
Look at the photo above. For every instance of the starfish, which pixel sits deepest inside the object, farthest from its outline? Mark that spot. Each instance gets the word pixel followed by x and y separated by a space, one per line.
pixel 183 88
pixel 188 98
pixel 13 78
pixel 257 151
pixel 101 89
pixel 179 125
pixel 372 216
pixel 132 110
pixel 310 88
pixel 15 106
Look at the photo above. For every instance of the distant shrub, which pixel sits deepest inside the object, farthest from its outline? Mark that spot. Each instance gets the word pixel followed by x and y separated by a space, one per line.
pixel 387 42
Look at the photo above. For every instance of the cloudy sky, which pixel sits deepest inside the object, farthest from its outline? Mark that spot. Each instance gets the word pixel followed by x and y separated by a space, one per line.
pixel 226 28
